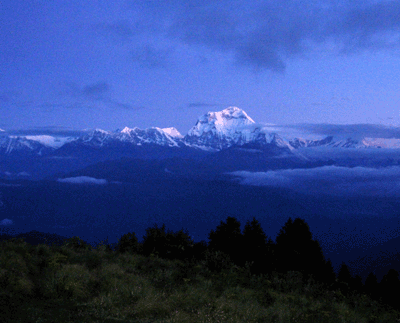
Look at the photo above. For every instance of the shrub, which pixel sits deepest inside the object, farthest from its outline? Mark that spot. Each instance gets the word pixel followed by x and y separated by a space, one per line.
pixel 216 260
pixel 167 244
pixel 70 281
pixel 14 274
pixel 128 243
pixel 76 244
pixel 93 260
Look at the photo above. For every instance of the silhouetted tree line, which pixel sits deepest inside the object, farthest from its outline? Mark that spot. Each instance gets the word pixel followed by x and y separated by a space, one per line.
pixel 293 250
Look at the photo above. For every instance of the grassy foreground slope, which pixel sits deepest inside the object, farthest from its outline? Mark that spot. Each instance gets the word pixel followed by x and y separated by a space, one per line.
pixel 78 283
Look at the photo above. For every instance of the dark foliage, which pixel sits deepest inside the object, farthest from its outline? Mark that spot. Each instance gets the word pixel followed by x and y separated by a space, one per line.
pixel 329 275
pixel 167 244
pixel 371 285
pixel 128 243
pixel 258 250
pixel 155 241
pixel 77 244
pixel 228 239
pixel 217 261
pixel 199 249
pixel 294 263
pixel 93 261
pixel 180 245
pixel 297 251
pixel 389 288
pixel 345 279
pixel 35 238
pixel 358 285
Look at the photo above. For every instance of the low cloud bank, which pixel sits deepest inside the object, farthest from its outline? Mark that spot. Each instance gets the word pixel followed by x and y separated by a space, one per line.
pixel 331 180
pixel 6 222
pixel 83 180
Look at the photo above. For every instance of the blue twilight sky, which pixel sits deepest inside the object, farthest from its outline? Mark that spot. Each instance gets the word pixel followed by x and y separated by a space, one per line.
pixel 109 64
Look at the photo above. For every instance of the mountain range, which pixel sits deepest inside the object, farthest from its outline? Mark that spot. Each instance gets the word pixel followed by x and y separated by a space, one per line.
pixel 229 136
pixel 157 173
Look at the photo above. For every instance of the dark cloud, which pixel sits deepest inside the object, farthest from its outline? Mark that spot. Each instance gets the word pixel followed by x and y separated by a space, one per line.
pixel 96 89
pixel 330 180
pixel 123 106
pixel 265 34
pixel 90 95
pixel 91 91
pixel 151 57
pixel 369 27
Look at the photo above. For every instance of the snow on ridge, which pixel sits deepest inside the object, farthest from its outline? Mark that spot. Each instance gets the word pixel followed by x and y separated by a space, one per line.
pixel 101 130
pixel 231 126
pixel 225 122
pixel 390 143
pixel 50 141
pixel 173 132
pixel 128 130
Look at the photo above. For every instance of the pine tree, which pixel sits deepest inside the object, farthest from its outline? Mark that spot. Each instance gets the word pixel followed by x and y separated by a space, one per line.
pixel 228 238
pixel 199 249
pixel 255 247
pixel 345 279
pixel 297 251
pixel 389 288
pixel 155 241
pixel 179 244
pixel 167 244
pixel 128 243
pixel 371 286
pixel 328 275
pixel 358 284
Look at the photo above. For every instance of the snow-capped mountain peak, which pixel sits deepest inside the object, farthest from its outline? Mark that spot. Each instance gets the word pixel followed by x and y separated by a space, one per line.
pixel 213 131
pixel 128 130
pixel 222 123
pixel 232 126
pixel 173 132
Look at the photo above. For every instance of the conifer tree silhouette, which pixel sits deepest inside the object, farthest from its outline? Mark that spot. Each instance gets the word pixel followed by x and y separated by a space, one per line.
pixel 297 251
pixel 128 243
pixel 167 244
pixel 155 241
pixel 345 279
pixel 358 284
pixel 255 246
pixel 179 245
pixel 328 275
pixel 228 238
pixel 389 288
pixel 199 249
pixel 371 286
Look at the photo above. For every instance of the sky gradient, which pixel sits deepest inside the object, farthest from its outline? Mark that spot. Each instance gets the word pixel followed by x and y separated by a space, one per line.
pixel 110 64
